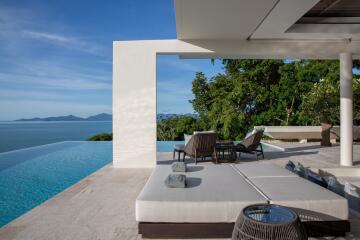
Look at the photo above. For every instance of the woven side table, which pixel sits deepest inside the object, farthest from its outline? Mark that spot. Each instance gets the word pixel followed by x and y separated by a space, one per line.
pixel 270 222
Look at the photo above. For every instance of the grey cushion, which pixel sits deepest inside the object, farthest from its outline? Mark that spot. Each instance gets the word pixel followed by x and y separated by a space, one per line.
pixel 334 185
pixel 316 178
pixel 352 194
pixel 175 181
pixel 300 170
pixel 178 167
pixel 290 166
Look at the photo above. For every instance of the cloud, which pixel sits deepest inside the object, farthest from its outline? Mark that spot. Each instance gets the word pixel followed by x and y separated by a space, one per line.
pixel 55 74
pixel 48 37
pixel 49 68
pixel 18 26
pixel 53 82
pixel 30 94
pixel 66 41
pixel 35 108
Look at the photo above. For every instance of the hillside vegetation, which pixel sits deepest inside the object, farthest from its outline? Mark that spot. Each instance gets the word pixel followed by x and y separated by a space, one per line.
pixel 263 92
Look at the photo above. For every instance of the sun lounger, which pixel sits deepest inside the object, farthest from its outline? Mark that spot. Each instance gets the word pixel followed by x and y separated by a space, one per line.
pixel 216 194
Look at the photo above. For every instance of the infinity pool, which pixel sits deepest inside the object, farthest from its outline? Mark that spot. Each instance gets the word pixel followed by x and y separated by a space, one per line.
pixel 30 176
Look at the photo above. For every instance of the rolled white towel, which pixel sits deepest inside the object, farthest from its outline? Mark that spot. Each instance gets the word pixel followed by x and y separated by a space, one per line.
pixel 178 167
pixel 175 181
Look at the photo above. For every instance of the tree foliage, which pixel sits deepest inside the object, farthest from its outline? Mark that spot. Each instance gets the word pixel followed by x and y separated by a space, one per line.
pixel 174 128
pixel 101 137
pixel 263 92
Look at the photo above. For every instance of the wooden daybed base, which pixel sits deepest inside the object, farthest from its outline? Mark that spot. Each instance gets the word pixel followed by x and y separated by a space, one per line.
pixel 224 230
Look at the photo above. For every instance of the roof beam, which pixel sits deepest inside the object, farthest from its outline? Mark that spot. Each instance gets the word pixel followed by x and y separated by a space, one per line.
pixel 329 6
pixel 282 17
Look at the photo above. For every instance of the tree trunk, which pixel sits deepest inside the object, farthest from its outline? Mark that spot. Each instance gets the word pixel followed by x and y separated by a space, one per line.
pixel 325 134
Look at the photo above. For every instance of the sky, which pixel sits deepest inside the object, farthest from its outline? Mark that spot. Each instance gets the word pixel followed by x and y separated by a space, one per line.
pixel 56 56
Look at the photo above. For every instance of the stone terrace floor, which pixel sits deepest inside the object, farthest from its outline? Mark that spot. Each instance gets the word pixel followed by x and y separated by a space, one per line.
pixel 102 206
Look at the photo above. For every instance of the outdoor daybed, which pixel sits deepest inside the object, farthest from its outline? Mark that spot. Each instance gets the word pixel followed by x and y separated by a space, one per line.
pixel 216 194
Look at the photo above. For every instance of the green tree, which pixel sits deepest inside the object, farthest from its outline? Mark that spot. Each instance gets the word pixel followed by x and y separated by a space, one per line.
pixel 101 137
pixel 174 128
pixel 263 92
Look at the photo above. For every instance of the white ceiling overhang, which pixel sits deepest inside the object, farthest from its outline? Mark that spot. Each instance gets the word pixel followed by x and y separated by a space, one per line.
pixel 220 19
pixel 259 19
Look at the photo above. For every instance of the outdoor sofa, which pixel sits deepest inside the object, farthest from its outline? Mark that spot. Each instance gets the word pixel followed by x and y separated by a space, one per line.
pixel 216 194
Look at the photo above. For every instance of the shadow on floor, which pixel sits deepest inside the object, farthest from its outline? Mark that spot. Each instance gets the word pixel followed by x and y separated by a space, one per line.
pixel 311 147
pixel 192 182
pixel 275 155
pixel 247 157
pixel 187 160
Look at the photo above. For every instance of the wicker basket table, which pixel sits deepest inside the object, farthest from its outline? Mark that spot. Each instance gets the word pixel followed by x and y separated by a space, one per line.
pixel 270 222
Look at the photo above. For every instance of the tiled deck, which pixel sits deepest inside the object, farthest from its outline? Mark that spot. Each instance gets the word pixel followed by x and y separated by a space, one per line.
pixel 101 206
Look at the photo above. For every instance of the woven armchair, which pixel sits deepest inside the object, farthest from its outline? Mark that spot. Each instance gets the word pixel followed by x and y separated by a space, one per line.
pixel 201 145
pixel 251 144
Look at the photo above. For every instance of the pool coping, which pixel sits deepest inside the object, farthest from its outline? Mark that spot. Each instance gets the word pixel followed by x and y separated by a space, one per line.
pixel 47 144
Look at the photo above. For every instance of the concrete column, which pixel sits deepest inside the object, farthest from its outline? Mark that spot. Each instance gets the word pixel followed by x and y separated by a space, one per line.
pixel 346 110
pixel 134 106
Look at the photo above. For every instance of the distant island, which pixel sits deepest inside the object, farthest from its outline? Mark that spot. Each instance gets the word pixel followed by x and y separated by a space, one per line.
pixel 98 117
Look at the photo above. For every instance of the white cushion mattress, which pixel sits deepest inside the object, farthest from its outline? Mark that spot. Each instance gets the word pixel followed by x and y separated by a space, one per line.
pixel 215 193
pixel 301 193
pixel 259 170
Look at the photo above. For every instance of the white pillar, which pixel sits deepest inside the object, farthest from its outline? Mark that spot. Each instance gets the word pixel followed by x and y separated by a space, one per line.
pixel 346 110
pixel 134 106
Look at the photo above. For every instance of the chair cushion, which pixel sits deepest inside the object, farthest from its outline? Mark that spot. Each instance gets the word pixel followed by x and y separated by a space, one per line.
pixel 179 147
pixel 187 138
pixel 210 131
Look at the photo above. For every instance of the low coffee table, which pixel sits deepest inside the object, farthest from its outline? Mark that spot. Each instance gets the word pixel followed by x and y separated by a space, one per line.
pixel 225 150
pixel 268 222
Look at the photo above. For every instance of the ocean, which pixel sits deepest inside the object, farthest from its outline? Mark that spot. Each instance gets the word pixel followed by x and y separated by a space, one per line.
pixel 17 135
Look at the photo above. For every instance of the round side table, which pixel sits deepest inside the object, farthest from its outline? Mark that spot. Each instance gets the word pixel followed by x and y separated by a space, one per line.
pixel 268 222
pixel 179 148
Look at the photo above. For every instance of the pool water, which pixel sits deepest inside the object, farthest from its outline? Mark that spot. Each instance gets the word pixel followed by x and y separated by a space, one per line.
pixel 31 176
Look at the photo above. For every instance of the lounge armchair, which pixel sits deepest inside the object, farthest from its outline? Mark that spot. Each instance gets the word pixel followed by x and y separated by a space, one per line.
pixel 201 145
pixel 251 144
